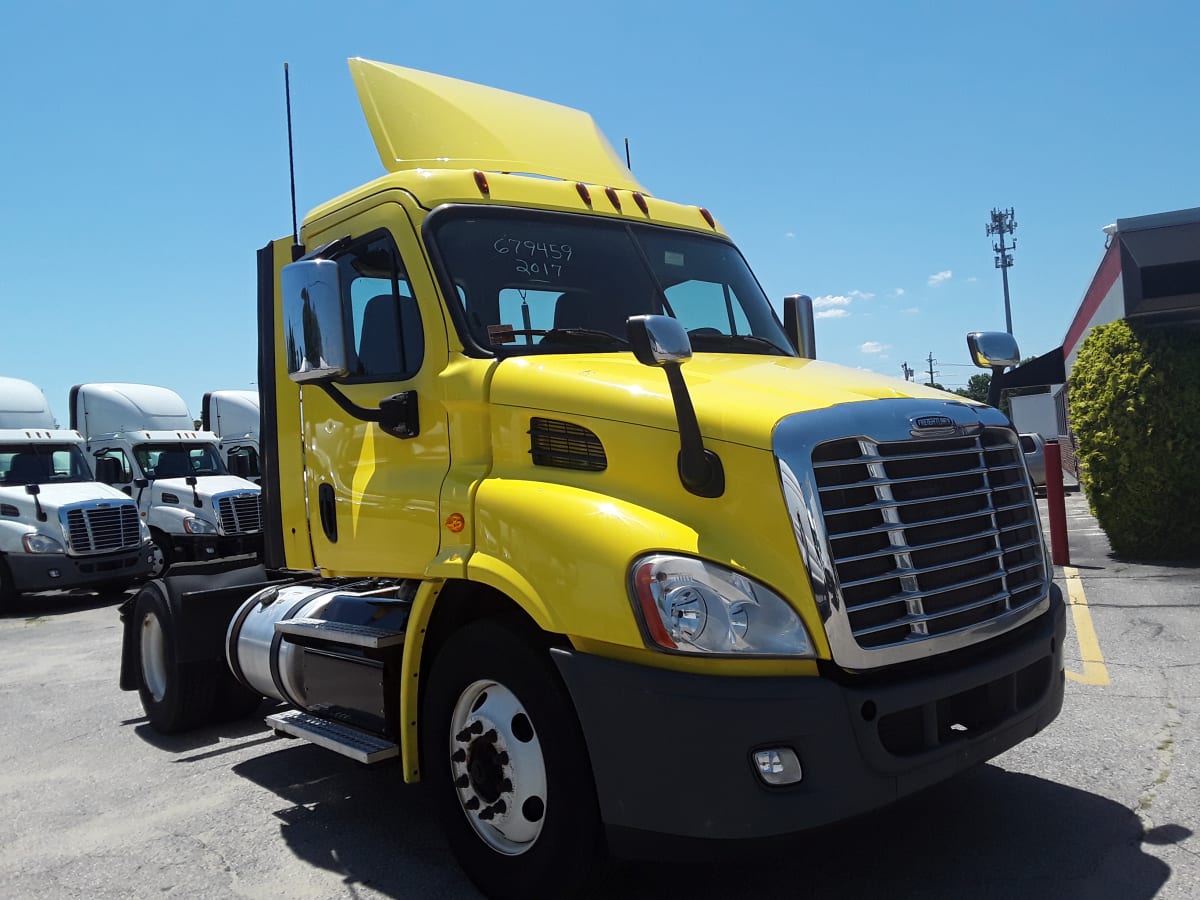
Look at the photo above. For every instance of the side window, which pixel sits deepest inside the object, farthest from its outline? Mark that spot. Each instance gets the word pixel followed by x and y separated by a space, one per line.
pixel 385 325
pixel 707 304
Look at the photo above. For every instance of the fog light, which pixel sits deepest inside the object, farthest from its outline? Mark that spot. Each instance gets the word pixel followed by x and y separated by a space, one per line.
pixel 778 765
pixel 54 573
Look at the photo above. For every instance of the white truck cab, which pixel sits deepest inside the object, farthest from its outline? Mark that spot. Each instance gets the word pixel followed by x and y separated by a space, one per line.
pixel 59 527
pixel 233 416
pixel 145 443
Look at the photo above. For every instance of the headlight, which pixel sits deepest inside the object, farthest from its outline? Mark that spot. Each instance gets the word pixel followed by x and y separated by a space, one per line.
pixel 196 525
pixel 143 530
pixel 692 606
pixel 41 543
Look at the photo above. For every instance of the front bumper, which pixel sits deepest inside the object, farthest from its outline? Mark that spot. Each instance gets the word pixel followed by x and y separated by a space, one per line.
pixel 205 547
pixel 672 752
pixel 58 571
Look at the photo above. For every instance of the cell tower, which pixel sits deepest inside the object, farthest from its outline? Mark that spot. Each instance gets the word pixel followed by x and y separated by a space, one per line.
pixel 1002 223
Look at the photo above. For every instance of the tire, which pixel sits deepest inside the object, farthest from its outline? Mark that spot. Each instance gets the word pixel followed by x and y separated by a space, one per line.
pixel 175 697
pixel 507 766
pixel 8 590
pixel 234 700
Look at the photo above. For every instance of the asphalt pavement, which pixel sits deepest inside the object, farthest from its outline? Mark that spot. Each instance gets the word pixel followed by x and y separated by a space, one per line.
pixel 1105 803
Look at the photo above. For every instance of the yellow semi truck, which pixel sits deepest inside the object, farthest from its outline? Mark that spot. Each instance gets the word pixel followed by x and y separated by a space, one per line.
pixel 563 519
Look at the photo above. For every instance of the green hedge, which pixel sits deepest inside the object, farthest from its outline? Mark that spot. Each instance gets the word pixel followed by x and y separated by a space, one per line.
pixel 1135 412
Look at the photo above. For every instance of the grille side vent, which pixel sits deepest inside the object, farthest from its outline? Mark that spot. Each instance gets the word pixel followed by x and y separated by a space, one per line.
pixel 7 509
pixel 565 445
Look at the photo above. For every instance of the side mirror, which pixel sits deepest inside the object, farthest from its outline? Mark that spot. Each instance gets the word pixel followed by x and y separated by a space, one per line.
pixel 313 326
pixel 239 465
pixel 995 350
pixel 663 343
pixel 990 349
pixel 108 470
pixel 658 340
pixel 798 323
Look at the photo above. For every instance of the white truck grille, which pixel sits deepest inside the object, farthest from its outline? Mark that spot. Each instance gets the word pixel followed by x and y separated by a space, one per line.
pixel 103 529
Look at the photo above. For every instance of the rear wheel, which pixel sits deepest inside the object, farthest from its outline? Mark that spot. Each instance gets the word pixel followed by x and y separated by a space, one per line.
pixel 175 696
pixel 506 762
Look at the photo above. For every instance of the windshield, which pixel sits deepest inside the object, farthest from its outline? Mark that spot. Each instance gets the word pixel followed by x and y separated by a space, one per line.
pixel 178 459
pixel 529 282
pixel 42 464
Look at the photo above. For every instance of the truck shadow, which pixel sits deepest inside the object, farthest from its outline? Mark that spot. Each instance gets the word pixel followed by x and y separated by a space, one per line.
pixel 987 834
pixel 60 603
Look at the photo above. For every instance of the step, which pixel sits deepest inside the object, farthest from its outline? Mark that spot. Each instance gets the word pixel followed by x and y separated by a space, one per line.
pixel 344 739
pixel 341 633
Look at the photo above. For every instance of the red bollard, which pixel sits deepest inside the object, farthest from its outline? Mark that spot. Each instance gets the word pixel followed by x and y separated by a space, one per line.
pixel 1056 505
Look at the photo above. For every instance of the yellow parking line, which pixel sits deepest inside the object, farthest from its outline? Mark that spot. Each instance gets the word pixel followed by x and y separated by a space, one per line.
pixel 1094 670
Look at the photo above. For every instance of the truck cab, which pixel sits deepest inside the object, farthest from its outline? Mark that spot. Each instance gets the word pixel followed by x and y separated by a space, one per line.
pixel 145 443
pixel 59 527
pixel 233 416
pixel 562 516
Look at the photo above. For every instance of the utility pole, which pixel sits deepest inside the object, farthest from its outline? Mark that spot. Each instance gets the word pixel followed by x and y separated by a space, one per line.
pixel 908 372
pixel 1002 223
pixel 931 361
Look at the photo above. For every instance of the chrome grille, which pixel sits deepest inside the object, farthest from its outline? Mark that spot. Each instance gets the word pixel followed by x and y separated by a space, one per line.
pixel 917 539
pixel 100 529
pixel 240 513
pixel 929 537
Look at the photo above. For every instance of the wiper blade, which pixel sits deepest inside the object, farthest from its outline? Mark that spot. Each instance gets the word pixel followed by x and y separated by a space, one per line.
pixel 735 342
pixel 583 335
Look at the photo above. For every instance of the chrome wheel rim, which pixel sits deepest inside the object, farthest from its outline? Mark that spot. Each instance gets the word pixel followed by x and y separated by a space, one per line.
pixel 154 657
pixel 158 562
pixel 497 767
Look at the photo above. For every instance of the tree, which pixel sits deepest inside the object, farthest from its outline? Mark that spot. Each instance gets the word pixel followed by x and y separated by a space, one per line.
pixel 1135 410
pixel 977 387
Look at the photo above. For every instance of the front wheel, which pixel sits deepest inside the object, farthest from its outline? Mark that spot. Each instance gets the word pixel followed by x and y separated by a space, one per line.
pixel 506 762
pixel 161 554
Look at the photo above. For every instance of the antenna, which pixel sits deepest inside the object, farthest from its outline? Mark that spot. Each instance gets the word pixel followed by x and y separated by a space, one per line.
pixel 628 164
pixel 297 247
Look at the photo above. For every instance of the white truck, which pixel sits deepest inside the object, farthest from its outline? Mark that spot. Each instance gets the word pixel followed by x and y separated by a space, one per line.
pixel 59 527
pixel 195 509
pixel 233 416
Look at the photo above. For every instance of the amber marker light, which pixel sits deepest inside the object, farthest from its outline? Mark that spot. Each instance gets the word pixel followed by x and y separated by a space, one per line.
pixel 643 580
pixel 708 217
pixel 482 183
pixel 611 194
pixel 640 200
pixel 455 522
pixel 584 193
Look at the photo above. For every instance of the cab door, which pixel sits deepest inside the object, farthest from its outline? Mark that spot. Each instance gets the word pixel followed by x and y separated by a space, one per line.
pixel 373 497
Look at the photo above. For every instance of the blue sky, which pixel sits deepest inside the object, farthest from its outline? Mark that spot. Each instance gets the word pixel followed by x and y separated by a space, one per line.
pixel 853 151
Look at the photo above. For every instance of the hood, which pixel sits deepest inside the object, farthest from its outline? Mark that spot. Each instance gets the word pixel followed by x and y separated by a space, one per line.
pixel 56 496
pixel 421 120
pixel 207 485
pixel 738 398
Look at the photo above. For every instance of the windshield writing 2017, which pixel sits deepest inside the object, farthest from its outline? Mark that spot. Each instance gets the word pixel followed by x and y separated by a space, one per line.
pixel 534 258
